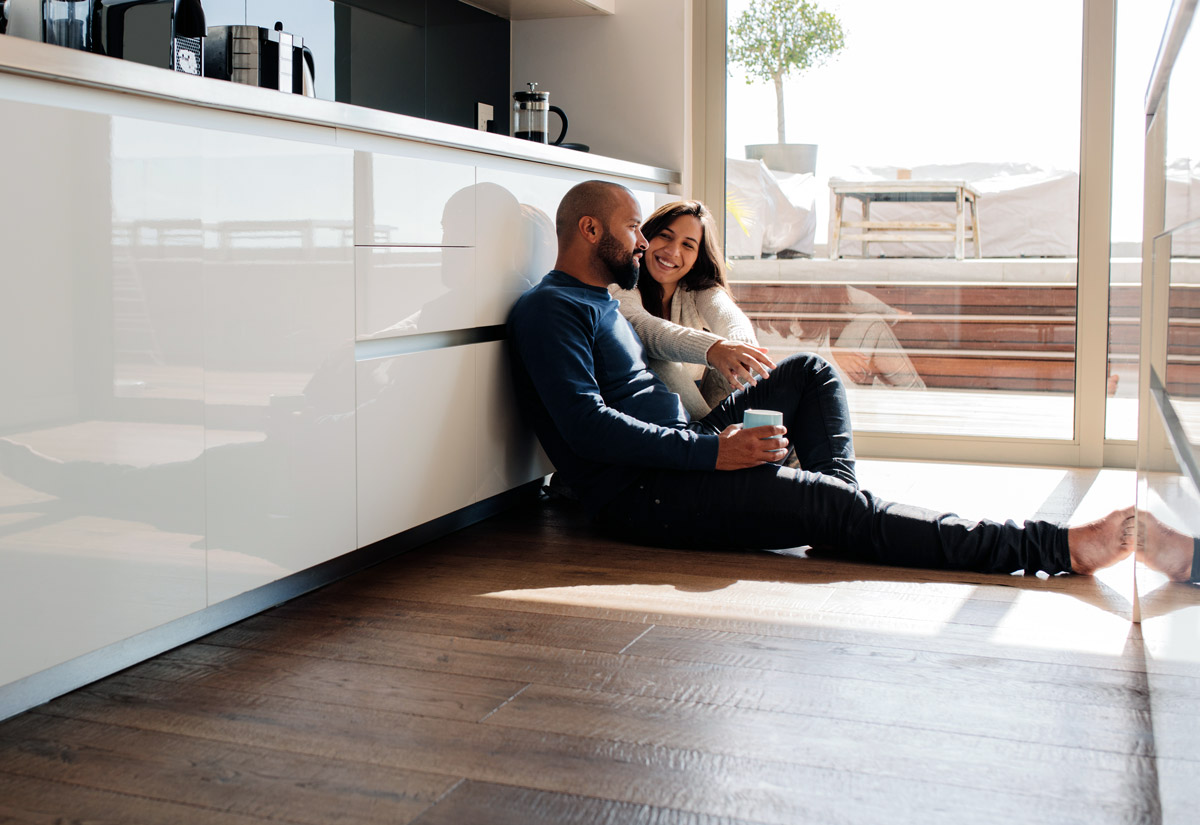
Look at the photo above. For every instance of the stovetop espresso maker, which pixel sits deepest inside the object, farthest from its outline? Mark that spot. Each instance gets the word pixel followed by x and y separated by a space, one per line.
pixel 531 116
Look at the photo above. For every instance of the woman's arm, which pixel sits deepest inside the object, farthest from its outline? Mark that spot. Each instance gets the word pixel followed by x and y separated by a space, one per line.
pixel 722 315
pixel 664 340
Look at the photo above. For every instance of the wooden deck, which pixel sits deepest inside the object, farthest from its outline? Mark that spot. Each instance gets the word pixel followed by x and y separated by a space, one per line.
pixel 525 671
pixel 979 336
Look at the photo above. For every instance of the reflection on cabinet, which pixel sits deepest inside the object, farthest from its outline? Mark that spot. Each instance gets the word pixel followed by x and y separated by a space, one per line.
pixel 101 422
pixel 509 454
pixel 421 199
pixel 416 439
pixel 405 290
pixel 211 394
pixel 278 344
pixel 437 431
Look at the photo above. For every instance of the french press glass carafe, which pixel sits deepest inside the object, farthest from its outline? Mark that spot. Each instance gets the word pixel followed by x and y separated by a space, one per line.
pixel 531 116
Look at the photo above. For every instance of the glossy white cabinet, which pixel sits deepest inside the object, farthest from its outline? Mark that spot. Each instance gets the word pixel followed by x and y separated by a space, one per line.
pixel 407 290
pixel 417 439
pixel 422 198
pixel 101 420
pixel 516 246
pixel 509 454
pixel 183 418
pixel 438 430
pixel 279 357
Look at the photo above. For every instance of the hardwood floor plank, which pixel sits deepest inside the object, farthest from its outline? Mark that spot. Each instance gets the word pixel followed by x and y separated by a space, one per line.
pixel 246 781
pixel 654 775
pixel 346 605
pixel 37 802
pixel 484 803
pixel 983 677
pixel 886 747
pixel 1059 628
pixel 1062 645
pixel 568 589
pixel 382 686
pixel 1003 714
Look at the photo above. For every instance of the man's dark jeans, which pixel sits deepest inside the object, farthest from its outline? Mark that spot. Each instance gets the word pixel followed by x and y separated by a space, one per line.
pixel 819 505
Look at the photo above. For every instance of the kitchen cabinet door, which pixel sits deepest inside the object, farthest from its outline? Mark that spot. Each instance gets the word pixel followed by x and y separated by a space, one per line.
pixel 418 439
pixel 101 421
pixel 509 454
pixel 424 198
pixel 278 357
pixel 410 290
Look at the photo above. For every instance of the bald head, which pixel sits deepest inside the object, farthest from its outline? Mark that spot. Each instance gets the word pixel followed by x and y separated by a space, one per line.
pixel 599 239
pixel 593 198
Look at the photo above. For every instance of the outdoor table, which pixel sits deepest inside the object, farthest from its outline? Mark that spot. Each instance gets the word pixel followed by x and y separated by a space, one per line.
pixel 958 192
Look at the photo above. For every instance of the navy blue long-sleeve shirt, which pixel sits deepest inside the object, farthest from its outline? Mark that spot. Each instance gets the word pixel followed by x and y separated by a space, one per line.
pixel 581 378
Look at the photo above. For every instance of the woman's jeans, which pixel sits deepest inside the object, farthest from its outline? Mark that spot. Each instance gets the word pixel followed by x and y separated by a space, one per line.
pixel 819 505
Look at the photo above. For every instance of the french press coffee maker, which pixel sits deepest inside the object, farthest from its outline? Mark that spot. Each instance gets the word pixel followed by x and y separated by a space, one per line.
pixel 531 116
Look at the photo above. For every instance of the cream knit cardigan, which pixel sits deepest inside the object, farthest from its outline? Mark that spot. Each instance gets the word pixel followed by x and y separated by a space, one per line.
pixel 677 350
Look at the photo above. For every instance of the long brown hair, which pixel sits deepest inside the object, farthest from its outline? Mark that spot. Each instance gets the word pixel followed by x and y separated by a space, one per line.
pixel 709 269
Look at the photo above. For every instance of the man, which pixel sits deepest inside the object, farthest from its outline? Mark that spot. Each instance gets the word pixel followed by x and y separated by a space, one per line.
pixel 624 444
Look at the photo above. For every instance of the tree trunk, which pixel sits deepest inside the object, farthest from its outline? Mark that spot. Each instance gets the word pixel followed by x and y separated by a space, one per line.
pixel 779 106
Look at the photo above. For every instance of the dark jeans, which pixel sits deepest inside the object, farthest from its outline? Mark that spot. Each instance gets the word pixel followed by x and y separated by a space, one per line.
pixel 820 505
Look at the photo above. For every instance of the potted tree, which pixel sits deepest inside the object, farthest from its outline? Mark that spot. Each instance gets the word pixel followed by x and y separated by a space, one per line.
pixel 776 39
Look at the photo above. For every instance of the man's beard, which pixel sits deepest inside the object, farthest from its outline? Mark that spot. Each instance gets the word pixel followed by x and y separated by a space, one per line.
pixel 621 264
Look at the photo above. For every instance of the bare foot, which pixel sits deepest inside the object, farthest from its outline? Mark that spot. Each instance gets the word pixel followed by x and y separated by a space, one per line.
pixel 1102 542
pixel 1164 548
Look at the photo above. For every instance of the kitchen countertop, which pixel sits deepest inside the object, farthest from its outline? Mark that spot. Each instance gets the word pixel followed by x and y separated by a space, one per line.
pixel 29 58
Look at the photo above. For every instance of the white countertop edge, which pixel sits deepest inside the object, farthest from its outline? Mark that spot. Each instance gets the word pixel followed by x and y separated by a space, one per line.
pixel 39 60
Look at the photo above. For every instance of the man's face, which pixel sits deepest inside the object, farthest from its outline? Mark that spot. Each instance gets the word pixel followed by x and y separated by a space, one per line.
pixel 620 247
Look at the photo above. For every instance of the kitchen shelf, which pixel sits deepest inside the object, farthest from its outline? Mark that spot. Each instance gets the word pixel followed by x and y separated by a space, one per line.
pixel 539 9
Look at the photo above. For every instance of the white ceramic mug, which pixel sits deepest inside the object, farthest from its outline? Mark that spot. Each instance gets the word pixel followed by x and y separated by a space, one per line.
pixel 761 418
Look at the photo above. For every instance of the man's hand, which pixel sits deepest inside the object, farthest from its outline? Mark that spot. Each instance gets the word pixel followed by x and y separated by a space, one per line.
pixel 740 448
pixel 739 362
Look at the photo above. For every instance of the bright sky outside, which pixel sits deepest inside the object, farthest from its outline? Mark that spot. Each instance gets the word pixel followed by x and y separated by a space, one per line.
pixel 956 81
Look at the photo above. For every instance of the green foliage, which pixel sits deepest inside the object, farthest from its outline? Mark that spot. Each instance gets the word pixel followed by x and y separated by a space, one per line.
pixel 774 39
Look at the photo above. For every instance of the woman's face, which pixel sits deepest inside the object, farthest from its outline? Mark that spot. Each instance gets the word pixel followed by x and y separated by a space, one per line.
pixel 673 251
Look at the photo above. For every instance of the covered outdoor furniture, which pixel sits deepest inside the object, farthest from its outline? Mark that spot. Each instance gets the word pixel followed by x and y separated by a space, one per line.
pixel 1026 211
pixel 901 230
pixel 767 212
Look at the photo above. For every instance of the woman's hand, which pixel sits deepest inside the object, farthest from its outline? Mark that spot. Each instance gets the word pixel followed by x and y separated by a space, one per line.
pixel 739 362
pixel 856 365
pixel 740 448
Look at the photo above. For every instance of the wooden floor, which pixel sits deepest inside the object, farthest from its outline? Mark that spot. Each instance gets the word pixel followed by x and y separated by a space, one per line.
pixel 523 671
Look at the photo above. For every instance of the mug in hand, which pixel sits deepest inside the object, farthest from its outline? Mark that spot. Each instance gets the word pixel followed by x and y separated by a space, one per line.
pixel 761 418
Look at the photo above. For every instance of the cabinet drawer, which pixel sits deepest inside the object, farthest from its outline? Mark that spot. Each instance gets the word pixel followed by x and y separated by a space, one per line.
pixel 413 200
pixel 413 289
pixel 417 437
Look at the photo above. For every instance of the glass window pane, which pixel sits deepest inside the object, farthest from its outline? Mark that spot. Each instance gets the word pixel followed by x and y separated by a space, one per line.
pixel 1139 30
pixel 949 133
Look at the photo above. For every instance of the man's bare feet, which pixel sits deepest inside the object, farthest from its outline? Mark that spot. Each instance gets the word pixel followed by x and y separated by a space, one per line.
pixel 1102 542
pixel 1164 548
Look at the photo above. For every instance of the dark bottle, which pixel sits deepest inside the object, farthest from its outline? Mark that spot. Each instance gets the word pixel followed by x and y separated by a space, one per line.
pixel 187 43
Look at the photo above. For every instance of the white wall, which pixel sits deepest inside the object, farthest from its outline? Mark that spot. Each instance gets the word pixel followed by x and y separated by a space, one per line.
pixel 624 80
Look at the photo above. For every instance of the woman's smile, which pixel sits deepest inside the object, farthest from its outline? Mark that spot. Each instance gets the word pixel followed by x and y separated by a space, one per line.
pixel 673 251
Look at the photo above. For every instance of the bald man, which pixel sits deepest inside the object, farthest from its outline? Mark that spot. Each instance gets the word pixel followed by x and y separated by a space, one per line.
pixel 624 444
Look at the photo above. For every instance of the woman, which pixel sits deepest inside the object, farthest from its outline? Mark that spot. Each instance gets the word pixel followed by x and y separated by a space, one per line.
pixel 702 346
